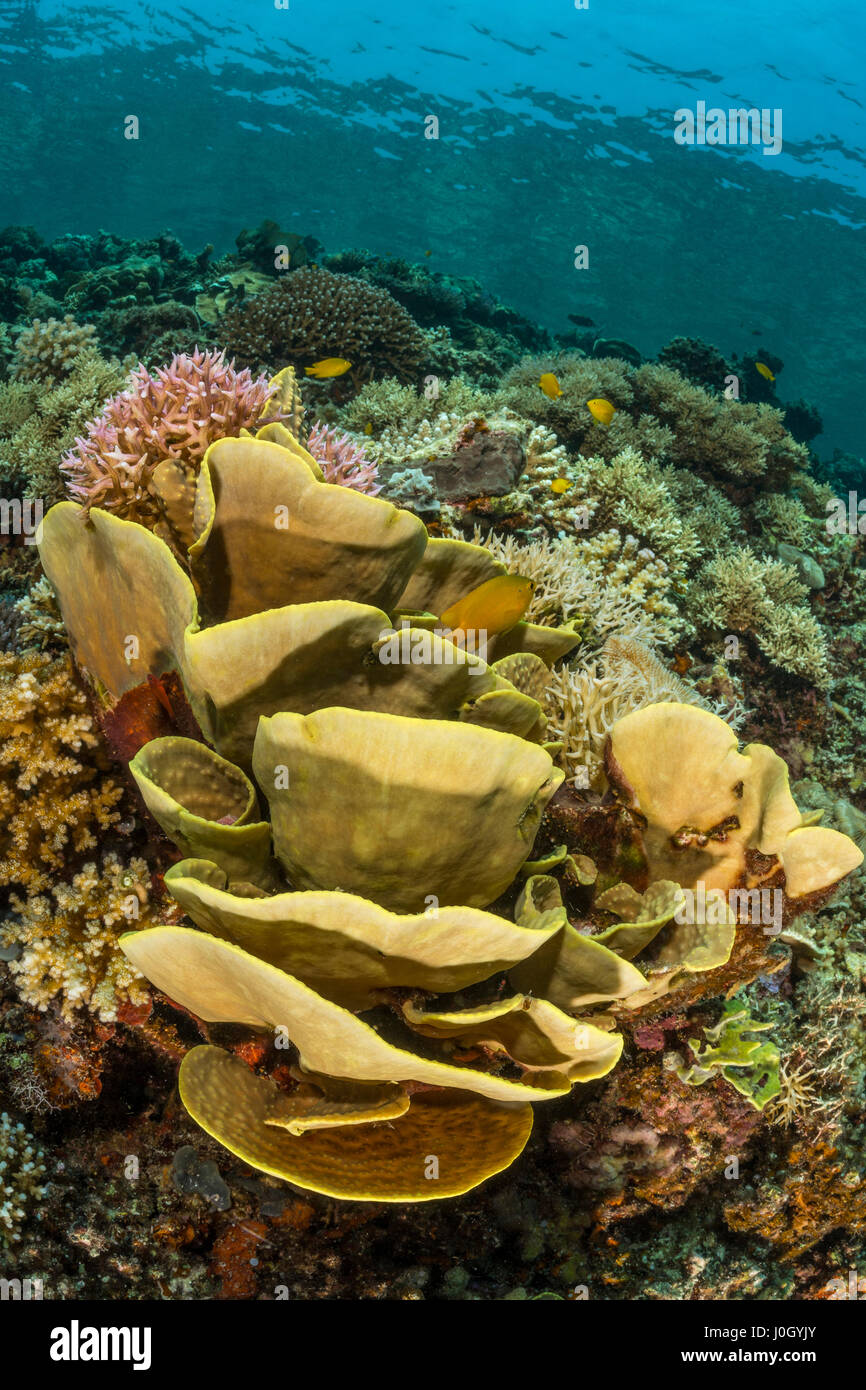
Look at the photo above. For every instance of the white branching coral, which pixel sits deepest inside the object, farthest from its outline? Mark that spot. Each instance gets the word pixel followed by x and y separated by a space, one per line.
pixel 68 940
pixel 22 1168
pixel 583 702
pixel 611 581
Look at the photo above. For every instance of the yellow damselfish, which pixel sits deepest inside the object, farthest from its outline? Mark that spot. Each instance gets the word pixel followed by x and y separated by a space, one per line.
pixel 329 366
pixel 495 606
pixel 560 485
pixel 765 371
pixel 601 410
pixel 550 386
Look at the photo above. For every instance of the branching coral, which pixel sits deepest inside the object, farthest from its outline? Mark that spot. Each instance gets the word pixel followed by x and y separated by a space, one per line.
pixel 583 702
pixel 55 797
pixel 39 622
pixel 342 461
pixel 39 421
pixel 737 592
pixel 311 314
pixel 660 414
pixel 68 939
pixel 48 351
pixel 394 411
pixel 22 1168
pixel 172 414
pixel 609 582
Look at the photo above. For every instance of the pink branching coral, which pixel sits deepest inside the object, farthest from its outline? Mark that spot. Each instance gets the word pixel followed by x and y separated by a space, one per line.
pixel 174 412
pixel 342 461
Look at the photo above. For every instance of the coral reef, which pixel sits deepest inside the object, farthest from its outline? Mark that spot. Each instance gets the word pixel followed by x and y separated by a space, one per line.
pixel 380 964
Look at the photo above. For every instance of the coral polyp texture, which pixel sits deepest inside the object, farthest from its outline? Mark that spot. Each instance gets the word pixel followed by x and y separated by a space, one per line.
pixel 312 314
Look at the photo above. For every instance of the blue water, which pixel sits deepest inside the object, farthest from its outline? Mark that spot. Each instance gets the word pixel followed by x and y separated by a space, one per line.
pixel 555 129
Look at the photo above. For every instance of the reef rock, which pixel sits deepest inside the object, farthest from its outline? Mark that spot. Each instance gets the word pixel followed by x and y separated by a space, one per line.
pixel 486 464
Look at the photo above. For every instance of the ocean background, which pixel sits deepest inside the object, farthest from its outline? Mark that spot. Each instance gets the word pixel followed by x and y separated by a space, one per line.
pixel 556 129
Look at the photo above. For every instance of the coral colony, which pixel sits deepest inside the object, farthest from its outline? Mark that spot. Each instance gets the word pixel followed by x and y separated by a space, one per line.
pixel 430 773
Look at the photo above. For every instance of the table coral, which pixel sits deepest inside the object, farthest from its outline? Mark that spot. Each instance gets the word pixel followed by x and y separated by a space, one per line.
pixel 56 798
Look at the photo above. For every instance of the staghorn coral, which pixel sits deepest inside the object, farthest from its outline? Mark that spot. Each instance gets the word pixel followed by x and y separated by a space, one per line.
pixel 311 314
pixel 22 1168
pixel 172 414
pixel 341 460
pixel 738 592
pixel 67 940
pixel 55 797
pixel 785 519
pixel 48 351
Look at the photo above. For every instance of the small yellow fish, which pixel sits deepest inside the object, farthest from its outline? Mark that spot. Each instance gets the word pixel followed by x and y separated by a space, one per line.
pixel 428 253
pixel 601 410
pixel 368 428
pixel 560 485
pixel 765 371
pixel 495 606
pixel 329 366
pixel 550 386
